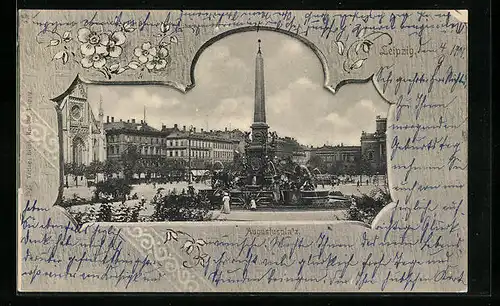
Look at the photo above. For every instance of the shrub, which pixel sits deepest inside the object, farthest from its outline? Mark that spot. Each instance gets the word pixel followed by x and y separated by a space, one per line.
pixel 183 206
pixel 105 213
pixel 364 208
pixel 116 188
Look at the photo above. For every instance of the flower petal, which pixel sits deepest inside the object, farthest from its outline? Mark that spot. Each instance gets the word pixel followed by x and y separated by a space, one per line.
pixel 119 38
pixel 101 50
pixel 138 52
pixel 161 64
pixel 97 28
pixel 100 63
pixel 152 51
pixel 86 62
pixel 150 65
pixel 83 35
pixel 115 51
pixel 163 52
pixel 87 49
pixel 146 45
pixel 104 39
pixel 150 57
pixel 143 59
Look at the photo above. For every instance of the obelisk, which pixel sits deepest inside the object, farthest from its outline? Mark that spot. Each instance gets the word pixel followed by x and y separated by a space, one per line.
pixel 259 126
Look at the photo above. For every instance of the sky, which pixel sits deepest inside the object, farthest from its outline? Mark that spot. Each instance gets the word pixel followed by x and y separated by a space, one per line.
pixel 297 104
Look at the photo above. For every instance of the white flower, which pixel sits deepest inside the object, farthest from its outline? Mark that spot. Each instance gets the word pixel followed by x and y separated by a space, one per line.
pixel 146 53
pixel 159 62
pixel 96 60
pixel 91 39
pixel 116 40
pixel 153 59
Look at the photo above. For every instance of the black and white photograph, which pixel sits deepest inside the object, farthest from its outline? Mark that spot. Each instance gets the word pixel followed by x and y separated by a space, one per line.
pixel 259 138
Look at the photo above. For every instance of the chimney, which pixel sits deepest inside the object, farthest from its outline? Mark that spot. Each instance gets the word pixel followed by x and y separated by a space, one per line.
pixel 175 126
pixel 194 130
pixel 163 127
pixel 112 119
pixel 142 121
pixel 133 120
pixel 107 119
pixel 121 120
pixel 184 128
pixel 128 120
pixel 202 130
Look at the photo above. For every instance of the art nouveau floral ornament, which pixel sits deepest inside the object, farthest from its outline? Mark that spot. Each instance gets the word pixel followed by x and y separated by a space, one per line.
pixel 103 51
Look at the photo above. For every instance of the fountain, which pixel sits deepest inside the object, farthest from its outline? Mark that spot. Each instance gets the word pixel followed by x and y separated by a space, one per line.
pixel 257 177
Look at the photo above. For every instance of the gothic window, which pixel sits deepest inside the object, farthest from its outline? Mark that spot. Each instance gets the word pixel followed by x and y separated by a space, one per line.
pixel 78 147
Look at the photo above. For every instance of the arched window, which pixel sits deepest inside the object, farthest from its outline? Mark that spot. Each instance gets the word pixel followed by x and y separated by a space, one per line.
pixel 78 147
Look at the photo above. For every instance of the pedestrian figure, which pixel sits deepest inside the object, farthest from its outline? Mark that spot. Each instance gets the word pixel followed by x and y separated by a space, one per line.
pixel 225 209
pixel 253 205
pixel 143 201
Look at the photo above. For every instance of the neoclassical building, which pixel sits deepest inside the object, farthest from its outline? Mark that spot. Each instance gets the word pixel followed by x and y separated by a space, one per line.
pixel 83 134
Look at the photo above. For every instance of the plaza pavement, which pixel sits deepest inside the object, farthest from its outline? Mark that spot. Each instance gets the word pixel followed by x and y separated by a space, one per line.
pixel 237 213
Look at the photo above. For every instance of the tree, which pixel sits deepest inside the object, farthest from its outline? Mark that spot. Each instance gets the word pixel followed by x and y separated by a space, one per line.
pixel 78 170
pixel 110 167
pixel 68 169
pixel 93 169
pixel 131 161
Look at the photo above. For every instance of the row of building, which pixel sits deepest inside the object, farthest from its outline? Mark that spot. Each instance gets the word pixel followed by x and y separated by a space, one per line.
pixel 87 138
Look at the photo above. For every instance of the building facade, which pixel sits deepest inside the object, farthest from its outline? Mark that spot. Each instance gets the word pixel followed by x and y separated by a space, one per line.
pixel 149 142
pixel 373 147
pixel 83 134
pixel 202 148
pixel 369 157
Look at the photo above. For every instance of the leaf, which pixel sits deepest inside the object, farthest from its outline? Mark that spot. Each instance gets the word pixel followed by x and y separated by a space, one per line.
pixel 366 47
pixel 361 32
pixel 114 68
pixel 358 47
pixel 341 47
pixel 189 249
pixel 65 57
pixel 357 64
pixel 58 55
pixel 134 65
pixel 174 236
pixel 128 27
pixel 164 27
pixel 67 36
pixel 54 42
pixel 187 244
pixel 202 261
pixel 173 39
pixel 200 242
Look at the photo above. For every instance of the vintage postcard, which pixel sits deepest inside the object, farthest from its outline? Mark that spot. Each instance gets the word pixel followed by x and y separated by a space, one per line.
pixel 242 151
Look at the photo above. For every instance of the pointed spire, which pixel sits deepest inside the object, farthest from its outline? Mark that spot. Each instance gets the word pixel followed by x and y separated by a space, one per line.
pixel 144 114
pixel 101 110
pixel 260 51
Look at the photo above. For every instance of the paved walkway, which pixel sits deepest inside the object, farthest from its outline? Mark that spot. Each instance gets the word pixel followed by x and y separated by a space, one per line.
pixel 246 215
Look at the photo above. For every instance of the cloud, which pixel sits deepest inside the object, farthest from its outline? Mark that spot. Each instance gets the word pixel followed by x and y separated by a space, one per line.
pixel 297 103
